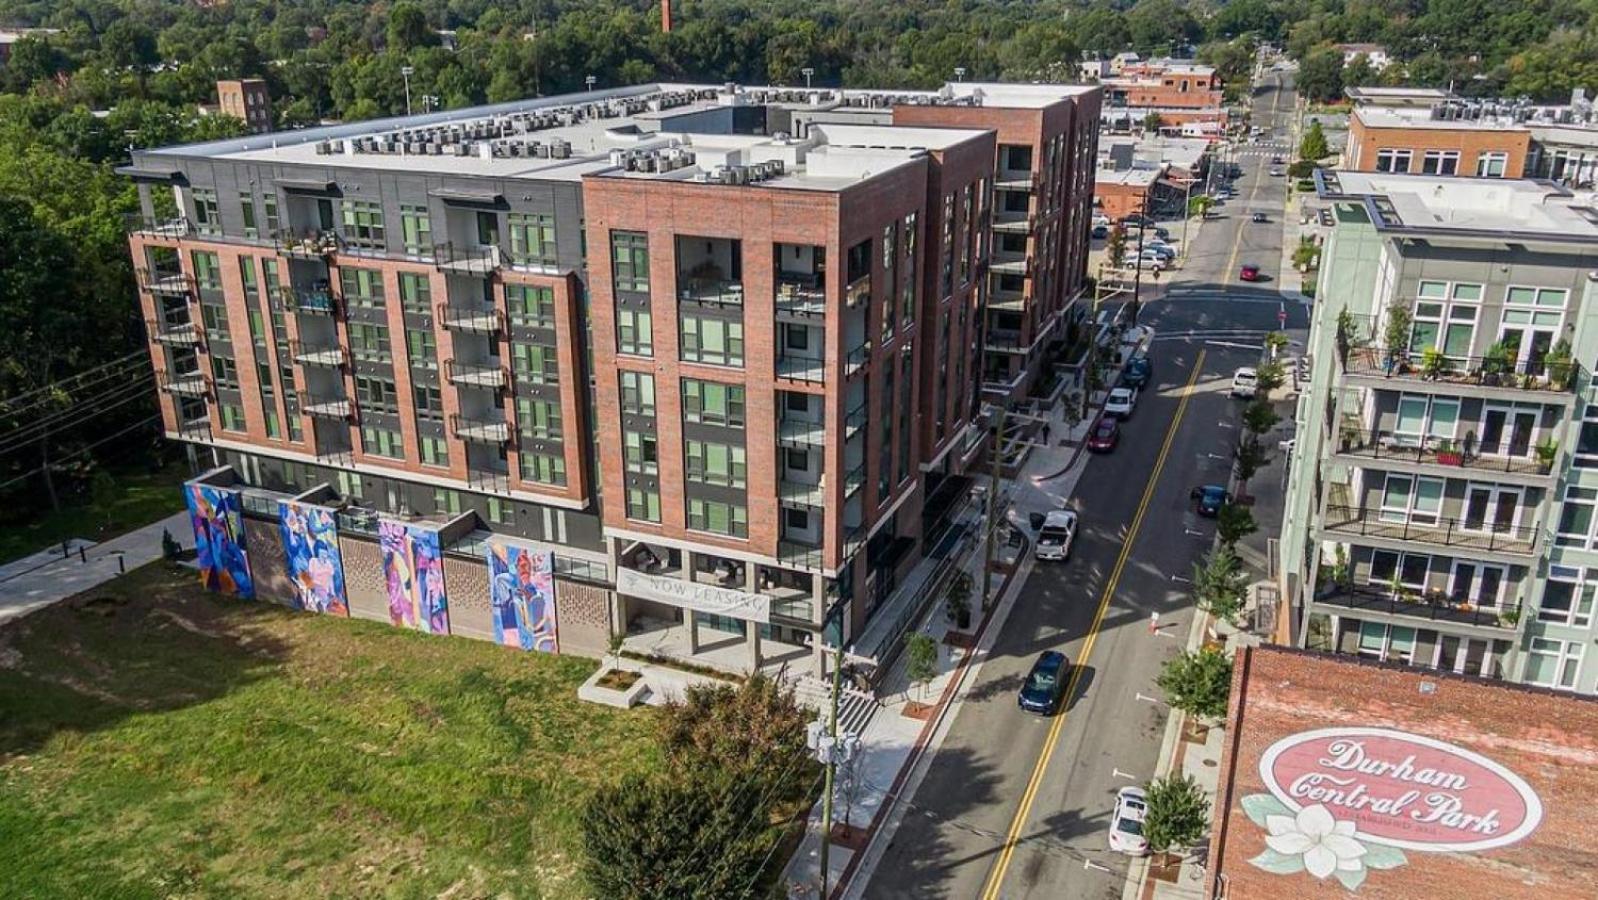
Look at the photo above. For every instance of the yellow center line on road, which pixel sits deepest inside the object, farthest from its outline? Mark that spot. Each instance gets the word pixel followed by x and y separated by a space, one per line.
pixel 996 877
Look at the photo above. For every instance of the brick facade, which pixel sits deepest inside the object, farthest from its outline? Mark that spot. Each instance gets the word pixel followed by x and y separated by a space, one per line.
pixel 1470 141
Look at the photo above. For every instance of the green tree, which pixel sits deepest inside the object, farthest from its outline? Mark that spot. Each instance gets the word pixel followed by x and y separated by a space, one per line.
pixel 1115 247
pixel 1220 585
pixel 1248 457
pixel 1260 417
pixel 1200 206
pixel 1177 814
pixel 408 28
pixel 1233 523
pixel 921 660
pixel 1152 123
pixel 752 731
pixel 1320 75
pixel 128 42
pixel 1198 683
pixel 1312 147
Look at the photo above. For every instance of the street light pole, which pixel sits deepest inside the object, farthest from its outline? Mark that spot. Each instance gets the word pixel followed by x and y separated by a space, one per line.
pixel 589 82
pixel 832 767
pixel 993 504
pixel 407 71
pixel 959 73
pixel 807 72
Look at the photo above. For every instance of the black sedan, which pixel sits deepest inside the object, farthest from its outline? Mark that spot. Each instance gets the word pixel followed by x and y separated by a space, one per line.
pixel 1210 498
pixel 1045 684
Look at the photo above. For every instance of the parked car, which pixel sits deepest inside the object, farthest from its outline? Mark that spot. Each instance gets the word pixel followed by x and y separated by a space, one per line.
pixel 1120 402
pixel 1104 436
pixel 1209 499
pixel 1101 219
pixel 1139 370
pixel 1126 823
pixel 1101 231
pixel 1137 220
pixel 1151 259
pixel 1277 172
pixel 1276 160
pixel 1249 272
pixel 1044 687
pixel 1136 335
pixel 1245 382
pixel 1056 535
pixel 1161 247
pixel 1259 218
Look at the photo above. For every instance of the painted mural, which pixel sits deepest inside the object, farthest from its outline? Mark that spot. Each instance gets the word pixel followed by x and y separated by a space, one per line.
pixel 219 539
pixel 521 584
pixel 413 569
pixel 315 568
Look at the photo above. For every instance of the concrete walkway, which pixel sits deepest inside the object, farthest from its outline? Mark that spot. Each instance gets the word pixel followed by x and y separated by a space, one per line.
pixel 896 747
pixel 37 581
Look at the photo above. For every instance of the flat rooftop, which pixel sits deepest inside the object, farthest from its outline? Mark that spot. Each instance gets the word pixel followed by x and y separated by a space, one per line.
pixel 1466 206
pixel 1178 153
pixel 1423 96
pixel 1434 785
pixel 1424 117
pixel 1139 177
pixel 666 131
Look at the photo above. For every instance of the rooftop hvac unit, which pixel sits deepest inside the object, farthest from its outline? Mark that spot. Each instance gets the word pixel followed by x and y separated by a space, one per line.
pixel 540 150
pixel 561 150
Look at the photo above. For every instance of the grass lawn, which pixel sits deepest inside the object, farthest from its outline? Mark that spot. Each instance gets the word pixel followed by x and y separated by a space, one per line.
pixel 145 497
pixel 158 741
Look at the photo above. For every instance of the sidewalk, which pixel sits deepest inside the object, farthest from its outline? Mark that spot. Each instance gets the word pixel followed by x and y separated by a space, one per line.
pixel 37 581
pixel 896 748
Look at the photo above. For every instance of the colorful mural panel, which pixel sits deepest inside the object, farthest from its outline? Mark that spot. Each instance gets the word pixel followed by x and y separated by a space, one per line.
pixel 521 583
pixel 315 568
pixel 413 570
pixel 219 539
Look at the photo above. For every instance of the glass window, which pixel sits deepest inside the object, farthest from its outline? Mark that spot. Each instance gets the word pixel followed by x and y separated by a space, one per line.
pixel 1440 162
pixel 488 229
pixel 362 287
pixel 429 402
pixel 377 394
pixel 207 216
pixel 643 505
pixel 545 468
pixel 629 252
pixel 712 463
pixel 538 418
pixel 531 305
pixel 247 209
pixel 1568 596
pixel 1576 517
pixel 532 239
pixel 435 451
pixel 712 403
pixel 1553 663
pixel 711 340
pixel 370 342
pixel 638 393
pixel 363 223
pixel 718 518
pixel 1389 160
pixel 416 229
pixel 207 270
pixel 269 207
pixel 1492 164
pixel 416 293
pixel 421 347
pixel 535 363
pixel 382 442
pixel 1586 455
pixel 641 452
pixel 634 332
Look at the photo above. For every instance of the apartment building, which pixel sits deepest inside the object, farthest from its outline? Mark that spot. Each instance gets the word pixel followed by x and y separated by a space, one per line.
pixel 1187 97
pixel 702 372
pixel 1427 141
pixel 248 99
pixel 1441 490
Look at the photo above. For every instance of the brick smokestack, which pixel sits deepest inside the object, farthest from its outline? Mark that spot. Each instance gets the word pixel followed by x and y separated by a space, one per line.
pixel 665 16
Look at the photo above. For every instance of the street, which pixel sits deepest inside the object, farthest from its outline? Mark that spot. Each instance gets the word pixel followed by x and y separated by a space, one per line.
pixel 1014 805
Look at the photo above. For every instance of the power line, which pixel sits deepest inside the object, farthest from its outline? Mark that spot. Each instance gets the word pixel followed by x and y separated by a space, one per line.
pixel 32 472
pixel 63 384
pixel 43 405
pixel 56 423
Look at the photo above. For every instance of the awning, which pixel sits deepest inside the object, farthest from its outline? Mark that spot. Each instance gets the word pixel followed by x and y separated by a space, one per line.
pixel 158 174
pixel 468 197
pixel 307 185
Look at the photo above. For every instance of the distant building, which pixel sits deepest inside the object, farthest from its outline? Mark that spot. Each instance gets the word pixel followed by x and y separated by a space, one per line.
pixel 10 36
pixel 1429 131
pixel 247 99
pixel 1137 176
pixel 1375 55
pixel 1186 95
pixel 1340 774
pixel 1093 69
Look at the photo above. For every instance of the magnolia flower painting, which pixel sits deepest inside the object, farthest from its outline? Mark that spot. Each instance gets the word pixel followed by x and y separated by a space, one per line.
pixel 1312 841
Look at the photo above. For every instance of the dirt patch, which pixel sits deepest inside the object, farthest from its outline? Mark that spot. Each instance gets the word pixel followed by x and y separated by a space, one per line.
pixel 916 710
pixel 1165 867
pixel 618 680
pixel 1195 732
pixel 960 639
pixel 852 838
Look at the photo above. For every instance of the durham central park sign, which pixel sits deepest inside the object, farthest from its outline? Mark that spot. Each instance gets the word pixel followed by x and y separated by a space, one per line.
pixel 1344 801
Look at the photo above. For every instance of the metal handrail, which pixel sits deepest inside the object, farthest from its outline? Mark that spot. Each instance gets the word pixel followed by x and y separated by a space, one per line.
pixel 1430 450
pixel 1562 375
pixel 1416 605
pixel 1449 532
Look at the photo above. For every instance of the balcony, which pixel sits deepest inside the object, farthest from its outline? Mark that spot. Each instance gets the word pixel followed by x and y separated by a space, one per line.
pixel 857 292
pixel 327 355
pixel 854 480
pixel 1004 340
pixel 476 320
pixel 801 434
pixel 855 420
pixel 174 334
pixel 802 368
pixel 710 290
pixel 1402 370
pixel 171 227
pixel 1393 449
pixel 799 554
pixel 801 493
pixel 1014 221
pixel 857 359
pixel 187 384
pixel 165 281
pixel 466 260
pixel 1457 534
pixel 478 376
pixel 1009 263
pixel 308 243
pixel 325 406
pixel 480 431
pixel 319 300
pixel 1016 180
pixel 801 296
pixel 1436 609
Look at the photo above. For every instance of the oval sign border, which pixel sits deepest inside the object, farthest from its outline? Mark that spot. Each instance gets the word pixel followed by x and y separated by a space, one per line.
pixel 1534 805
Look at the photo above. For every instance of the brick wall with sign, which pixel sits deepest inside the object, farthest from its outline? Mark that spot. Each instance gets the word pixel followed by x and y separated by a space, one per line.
pixel 1501 751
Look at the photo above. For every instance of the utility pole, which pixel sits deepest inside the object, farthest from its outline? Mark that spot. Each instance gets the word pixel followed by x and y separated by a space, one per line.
pixel 407 72
pixel 993 508
pixel 829 752
pixel 1137 274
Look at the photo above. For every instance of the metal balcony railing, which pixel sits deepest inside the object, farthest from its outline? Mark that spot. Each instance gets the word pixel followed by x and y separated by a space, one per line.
pixel 318 354
pixel 316 300
pixel 325 406
pixel 714 291
pixel 1437 607
pixel 802 296
pixel 857 358
pixel 165 281
pixel 481 431
pixel 1388 446
pixel 1539 375
pixel 856 419
pixel 1014 220
pixel 307 243
pixel 801 433
pixel 466 259
pixel 480 376
pixel 854 480
pixel 175 334
pixel 857 291
pixel 798 554
pixel 474 319
pixel 1460 534
pixel 801 493
pixel 157 226
pixel 187 384
pixel 802 368
pixel 1004 339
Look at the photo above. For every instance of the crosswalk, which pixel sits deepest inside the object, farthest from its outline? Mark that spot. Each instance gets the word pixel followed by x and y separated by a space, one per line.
pixel 1269 149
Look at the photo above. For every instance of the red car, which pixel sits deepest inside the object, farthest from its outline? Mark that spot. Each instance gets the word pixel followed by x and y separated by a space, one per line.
pixel 1249 273
pixel 1105 436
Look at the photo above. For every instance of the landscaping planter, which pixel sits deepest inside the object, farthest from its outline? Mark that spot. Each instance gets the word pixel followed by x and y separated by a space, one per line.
pixel 621 688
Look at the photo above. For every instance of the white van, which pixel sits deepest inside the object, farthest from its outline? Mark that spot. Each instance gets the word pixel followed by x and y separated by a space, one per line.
pixel 1056 535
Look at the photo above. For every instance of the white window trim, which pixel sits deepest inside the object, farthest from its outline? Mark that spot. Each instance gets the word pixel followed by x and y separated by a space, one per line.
pixel 1494 489
pixel 1567 651
pixel 1465 642
pixel 1503 582
pixel 1580 582
pixel 1568 539
pixel 1510 410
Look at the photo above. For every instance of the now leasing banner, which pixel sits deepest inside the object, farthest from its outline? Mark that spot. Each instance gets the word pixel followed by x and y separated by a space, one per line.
pixel 706 598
